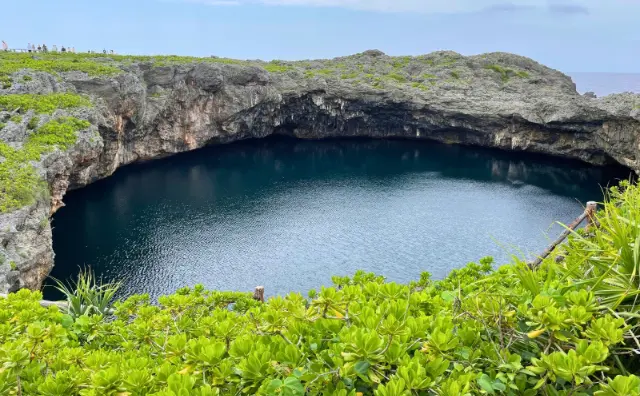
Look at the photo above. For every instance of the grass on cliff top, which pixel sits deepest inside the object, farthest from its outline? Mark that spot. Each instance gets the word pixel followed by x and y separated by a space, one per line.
pixel 567 327
pixel 92 64
pixel 20 185
pixel 369 68
pixel 54 62
pixel 388 72
pixel 42 103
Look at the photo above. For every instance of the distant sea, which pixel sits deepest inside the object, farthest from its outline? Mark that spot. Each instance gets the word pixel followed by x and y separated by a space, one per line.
pixel 606 83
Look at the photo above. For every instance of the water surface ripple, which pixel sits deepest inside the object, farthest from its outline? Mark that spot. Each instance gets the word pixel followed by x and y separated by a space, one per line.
pixel 289 214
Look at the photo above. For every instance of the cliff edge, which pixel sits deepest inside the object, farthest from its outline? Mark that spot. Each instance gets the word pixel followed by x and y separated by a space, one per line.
pixel 67 120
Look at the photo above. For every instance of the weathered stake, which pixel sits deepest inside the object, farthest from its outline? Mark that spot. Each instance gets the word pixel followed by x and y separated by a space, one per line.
pixel 258 294
pixel 589 213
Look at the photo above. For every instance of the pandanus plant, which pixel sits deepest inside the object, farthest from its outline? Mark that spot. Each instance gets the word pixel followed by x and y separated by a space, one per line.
pixel 609 259
pixel 87 295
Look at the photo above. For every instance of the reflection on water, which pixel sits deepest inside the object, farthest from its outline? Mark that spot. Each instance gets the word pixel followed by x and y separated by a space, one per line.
pixel 289 214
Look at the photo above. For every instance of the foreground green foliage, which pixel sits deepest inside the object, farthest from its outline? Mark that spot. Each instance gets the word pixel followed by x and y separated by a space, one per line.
pixel 566 328
pixel 20 184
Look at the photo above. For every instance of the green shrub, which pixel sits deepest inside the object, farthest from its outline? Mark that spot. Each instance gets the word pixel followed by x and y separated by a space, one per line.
pixel 13 265
pixel 11 62
pixel 20 184
pixel 349 76
pixel 2 125
pixel 87 295
pixel 44 222
pixel 277 67
pixel 33 122
pixel 324 72
pixel 5 81
pixel 26 78
pixel 60 132
pixel 420 86
pixel 506 73
pixel 400 62
pixel 377 83
pixel 455 75
pixel 565 328
pixel 42 103
pixel 397 77
pixel 16 118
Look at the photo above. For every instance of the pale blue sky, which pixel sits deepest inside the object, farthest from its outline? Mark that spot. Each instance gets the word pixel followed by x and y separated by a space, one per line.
pixel 579 35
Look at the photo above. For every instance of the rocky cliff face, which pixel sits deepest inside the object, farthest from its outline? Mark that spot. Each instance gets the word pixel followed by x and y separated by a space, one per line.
pixel 151 111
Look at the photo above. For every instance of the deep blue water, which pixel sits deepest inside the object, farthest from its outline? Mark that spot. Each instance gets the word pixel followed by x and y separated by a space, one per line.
pixel 603 84
pixel 288 214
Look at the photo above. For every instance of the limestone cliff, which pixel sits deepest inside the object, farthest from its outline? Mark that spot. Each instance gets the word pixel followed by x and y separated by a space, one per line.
pixel 153 109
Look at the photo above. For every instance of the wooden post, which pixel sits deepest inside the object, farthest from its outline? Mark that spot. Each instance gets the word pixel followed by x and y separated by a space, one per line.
pixel 589 213
pixel 258 294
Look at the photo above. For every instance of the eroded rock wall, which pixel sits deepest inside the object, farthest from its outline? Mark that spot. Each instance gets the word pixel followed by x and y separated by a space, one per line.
pixel 150 112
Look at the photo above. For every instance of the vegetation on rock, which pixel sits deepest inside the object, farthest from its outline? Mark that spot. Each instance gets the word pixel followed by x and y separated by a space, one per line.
pixel 370 68
pixel 506 73
pixel 16 118
pixel 5 81
pixel 568 327
pixel 42 103
pixel 54 62
pixel 20 184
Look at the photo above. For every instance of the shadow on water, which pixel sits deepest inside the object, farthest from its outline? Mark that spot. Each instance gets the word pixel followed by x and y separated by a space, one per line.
pixel 288 213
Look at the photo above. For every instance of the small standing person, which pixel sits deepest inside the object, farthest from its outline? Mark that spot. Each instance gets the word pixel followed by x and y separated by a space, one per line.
pixel 54 48
pixel 29 47
pixel 5 46
pixel 33 47
pixel 63 49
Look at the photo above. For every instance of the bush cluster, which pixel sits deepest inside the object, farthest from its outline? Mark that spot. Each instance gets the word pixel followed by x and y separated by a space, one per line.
pixel 5 81
pixel 20 184
pixel 506 73
pixel 11 62
pixel 42 103
pixel 568 327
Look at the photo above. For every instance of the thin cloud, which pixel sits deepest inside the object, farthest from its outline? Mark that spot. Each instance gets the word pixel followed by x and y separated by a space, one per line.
pixel 558 7
pixel 217 2
pixel 422 6
pixel 508 7
pixel 570 9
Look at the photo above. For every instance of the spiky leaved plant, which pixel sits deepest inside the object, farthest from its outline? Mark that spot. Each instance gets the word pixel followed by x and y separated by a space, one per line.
pixel 87 295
